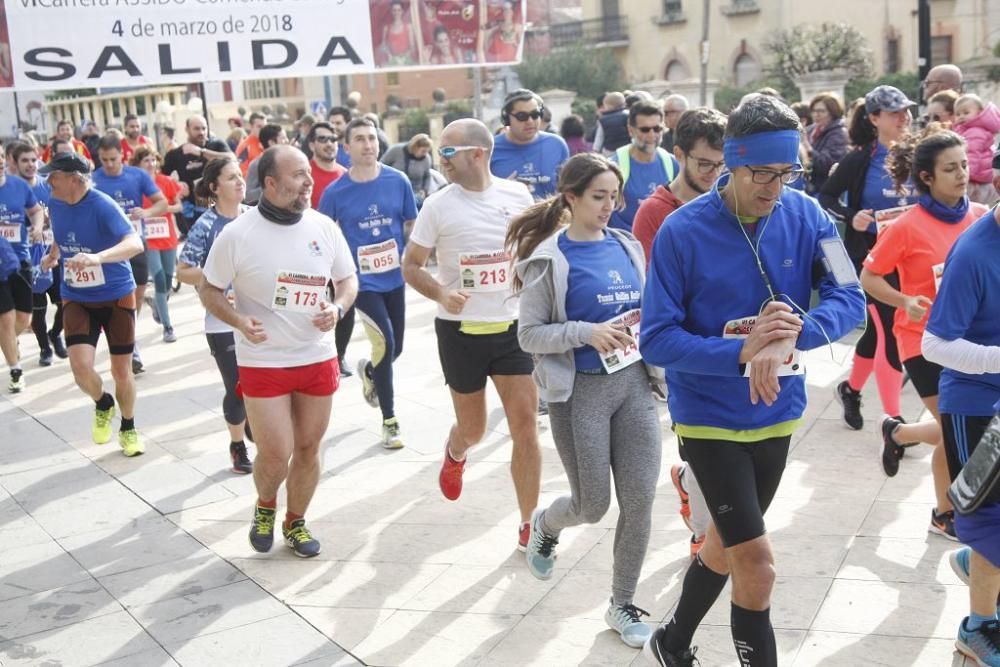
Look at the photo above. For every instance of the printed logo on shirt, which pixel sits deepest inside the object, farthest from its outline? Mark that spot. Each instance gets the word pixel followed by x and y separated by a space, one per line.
pixel 616 278
pixel 788 263
pixel 373 209
pixel 314 249
pixel 71 237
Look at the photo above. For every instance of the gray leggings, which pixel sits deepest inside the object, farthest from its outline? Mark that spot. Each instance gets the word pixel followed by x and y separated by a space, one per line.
pixel 610 421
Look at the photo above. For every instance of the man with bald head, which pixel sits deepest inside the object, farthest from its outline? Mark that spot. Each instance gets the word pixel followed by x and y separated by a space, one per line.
pixel 186 163
pixel 476 322
pixel 942 77
pixel 276 259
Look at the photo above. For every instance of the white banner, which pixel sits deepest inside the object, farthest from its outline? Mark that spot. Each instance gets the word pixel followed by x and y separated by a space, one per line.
pixel 57 44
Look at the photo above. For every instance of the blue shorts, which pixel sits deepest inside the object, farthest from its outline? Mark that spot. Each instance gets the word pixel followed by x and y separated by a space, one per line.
pixel 981 531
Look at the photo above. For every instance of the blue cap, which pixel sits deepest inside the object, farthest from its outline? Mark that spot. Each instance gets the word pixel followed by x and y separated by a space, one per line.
pixel 887 98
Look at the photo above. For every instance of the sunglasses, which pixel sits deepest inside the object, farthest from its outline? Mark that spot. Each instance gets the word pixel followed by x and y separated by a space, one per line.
pixel 654 128
pixel 448 152
pixel 523 116
pixel 326 139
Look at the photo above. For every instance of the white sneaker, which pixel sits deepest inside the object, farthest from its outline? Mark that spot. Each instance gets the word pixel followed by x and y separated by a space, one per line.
pixel 367 384
pixel 624 619
pixel 390 434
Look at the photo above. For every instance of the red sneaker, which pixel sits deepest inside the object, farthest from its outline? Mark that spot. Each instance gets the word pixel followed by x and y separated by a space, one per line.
pixel 676 472
pixel 450 478
pixel 523 533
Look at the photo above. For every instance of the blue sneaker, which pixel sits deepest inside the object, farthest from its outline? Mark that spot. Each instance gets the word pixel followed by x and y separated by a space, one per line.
pixel 959 561
pixel 540 552
pixel 982 646
pixel 262 529
pixel 625 620
pixel 300 540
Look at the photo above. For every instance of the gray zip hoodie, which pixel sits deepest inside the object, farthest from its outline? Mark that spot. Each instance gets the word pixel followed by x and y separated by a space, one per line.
pixel 542 328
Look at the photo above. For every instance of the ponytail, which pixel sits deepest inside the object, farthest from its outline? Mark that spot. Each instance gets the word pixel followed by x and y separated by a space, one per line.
pixel 537 223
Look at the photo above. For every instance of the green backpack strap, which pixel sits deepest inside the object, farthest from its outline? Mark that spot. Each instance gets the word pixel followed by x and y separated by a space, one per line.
pixel 625 162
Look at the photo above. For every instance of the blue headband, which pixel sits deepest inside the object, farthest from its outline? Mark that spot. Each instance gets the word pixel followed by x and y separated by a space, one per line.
pixel 778 147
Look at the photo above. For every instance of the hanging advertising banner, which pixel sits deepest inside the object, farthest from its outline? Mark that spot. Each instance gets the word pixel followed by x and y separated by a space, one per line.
pixel 148 42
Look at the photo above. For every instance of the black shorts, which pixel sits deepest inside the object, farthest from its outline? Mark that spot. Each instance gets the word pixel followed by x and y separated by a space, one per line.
pixel 83 323
pixel 468 360
pixel 739 480
pixel 961 435
pixel 924 375
pixel 140 268
pixel 15 294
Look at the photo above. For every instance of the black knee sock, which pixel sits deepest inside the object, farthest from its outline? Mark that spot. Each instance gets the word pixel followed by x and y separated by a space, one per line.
pixel 105 402
pixel 700 591
pixel 753 637
pixel 128 424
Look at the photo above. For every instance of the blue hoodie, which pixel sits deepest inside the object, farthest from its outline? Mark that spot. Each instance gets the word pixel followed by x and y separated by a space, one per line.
pixel 702 274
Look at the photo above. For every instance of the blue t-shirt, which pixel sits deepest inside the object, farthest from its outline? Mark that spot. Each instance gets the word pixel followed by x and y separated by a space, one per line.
pixel 93 224
pixel 880 190
pixel 41 190
pixel 199 242
pixel 536 164
pixel 967 307
pixel 602 284
pixel 128 188
pixel 369 214
pixel 343 157
pixel 16 198
pixel 643 179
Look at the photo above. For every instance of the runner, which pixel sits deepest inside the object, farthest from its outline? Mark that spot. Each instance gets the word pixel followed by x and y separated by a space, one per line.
pixel 64 132
pixel 161 237
pixel 476 323
pixel 21 223
pixel 372 204
pixel 914 247
pixel 339 117
pixel 271 134
pixel 523 152
pixel 277 258
pixel 187 161
pixel 251 147
pixel 133 137
pixel 644 165
pixel 580 285
pixel 962 336
pixel 128 185
pixel 222 183
pixel 93 241
pixel 324 144
pixel 729 339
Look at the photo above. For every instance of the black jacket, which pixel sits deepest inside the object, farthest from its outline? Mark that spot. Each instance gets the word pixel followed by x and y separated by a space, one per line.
pixel 615 125
pixel 828 149
pixel 849 177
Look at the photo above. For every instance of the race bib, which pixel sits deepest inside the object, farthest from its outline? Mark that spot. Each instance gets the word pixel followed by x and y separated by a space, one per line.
pixel 887 216
pixel 91 276
pixel 742 327
pixel 619 359
pixel 11 232
pixel 485 271
pixel 299 292
pixel 378 257
pixel 938 270
pixel 157 228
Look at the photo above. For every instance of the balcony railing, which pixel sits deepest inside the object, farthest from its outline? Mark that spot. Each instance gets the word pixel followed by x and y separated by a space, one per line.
pixel 736 7
pixel 604 31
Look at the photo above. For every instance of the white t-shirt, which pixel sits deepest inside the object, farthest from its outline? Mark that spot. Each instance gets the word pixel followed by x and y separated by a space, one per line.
pixel 468 229
pixel 278 274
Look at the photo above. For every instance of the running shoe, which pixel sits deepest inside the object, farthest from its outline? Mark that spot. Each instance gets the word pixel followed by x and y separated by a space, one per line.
pixel 390 434
pixel 57 345
pixel 450 477
pixel 890 451
pixel 242 465
pixel 345 370
pixel 959 561
pixel 130 442
pixel 262 529
pixel 168 335
pixel 523 533
pixel 696 544
pixel 137 366
pixel 677 477
pixel 625 620
pixel 148 300
pixel 16 384
pixel 300 540
pixel 45 357
pixel 943 524
pixel 100 432
pixel 541 550
pixel 850 400
pixel 655 650
pixel 367 383
pixel 981 645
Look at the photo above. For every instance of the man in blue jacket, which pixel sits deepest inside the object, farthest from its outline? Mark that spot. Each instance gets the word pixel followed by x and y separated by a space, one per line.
pixel 723 314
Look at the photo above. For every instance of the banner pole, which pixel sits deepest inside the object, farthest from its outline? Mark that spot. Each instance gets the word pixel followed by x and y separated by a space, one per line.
pixel 204 106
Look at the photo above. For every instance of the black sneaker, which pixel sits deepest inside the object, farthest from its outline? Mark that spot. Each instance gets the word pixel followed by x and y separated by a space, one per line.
pixel 242 465
pixel 345 370
pixel 137 366
pixel 300 540
pixel 655 651
pixel 57 346
pixel 262 529
pixel 891 451
pixel 850 400
pixel 45 357
pixel 943 524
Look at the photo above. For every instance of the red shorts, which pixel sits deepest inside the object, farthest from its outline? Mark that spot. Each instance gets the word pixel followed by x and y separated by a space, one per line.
pixel 319 379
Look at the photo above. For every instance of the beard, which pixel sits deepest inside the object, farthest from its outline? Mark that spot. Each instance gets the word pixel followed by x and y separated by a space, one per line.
pixel 691 184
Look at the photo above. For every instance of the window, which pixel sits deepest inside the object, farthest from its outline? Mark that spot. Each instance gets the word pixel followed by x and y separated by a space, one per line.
pixel 746 70
pixel 671 7
pixel 259 89
pixel 676 71
pixel 940 49
pixel 892 55
pixel 392 78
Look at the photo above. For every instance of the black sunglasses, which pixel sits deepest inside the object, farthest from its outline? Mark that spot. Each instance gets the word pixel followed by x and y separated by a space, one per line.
pixel 523 116
pixel 326 139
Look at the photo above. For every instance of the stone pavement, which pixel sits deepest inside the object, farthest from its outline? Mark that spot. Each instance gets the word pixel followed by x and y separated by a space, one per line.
pixel 107 560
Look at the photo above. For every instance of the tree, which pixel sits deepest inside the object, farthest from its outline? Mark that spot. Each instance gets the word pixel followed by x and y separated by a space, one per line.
pixel 587 72
pixel 908 82
pixel 813 48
